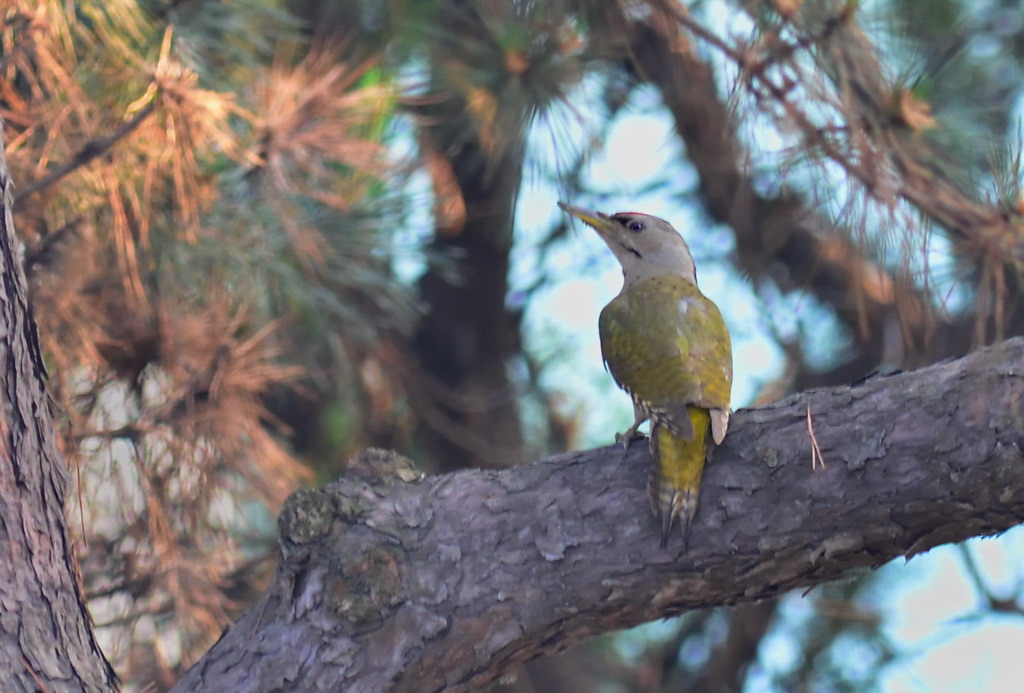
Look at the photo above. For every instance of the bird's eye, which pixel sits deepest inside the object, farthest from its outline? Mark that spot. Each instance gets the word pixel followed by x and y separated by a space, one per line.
pixel 636 227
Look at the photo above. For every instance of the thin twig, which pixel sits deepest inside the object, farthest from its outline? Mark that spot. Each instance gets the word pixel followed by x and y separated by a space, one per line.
pixel 994 603
pixel 92 149
pixel 34 675
pixel 919 181
pixel 42 253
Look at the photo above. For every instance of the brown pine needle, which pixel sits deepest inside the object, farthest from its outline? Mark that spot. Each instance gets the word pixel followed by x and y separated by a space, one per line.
pixel 816 456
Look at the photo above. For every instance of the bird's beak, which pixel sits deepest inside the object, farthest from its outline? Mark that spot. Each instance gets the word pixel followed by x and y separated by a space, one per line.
pixel 599 221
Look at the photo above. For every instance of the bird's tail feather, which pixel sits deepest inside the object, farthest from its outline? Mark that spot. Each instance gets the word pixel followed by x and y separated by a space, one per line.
pixel 674 484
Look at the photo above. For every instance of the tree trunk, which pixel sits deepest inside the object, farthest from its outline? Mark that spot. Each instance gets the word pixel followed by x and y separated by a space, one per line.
pixel 447 583
pixel 460 385
pixel 464 343
pixel 46 638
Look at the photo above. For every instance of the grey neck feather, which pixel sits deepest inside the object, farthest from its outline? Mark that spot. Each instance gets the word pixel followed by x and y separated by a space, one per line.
pixel 671 260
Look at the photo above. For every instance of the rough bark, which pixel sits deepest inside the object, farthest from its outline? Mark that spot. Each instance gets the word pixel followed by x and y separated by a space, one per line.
pixel 46 639
pixel 448 582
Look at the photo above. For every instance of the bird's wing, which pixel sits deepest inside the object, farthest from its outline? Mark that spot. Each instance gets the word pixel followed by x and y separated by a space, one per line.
pixel 666 344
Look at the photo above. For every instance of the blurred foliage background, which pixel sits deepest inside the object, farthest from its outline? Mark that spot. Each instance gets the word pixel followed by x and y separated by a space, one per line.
pixel 262 235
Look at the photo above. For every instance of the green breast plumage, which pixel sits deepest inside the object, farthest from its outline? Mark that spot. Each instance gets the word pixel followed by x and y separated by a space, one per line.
pixel 666 344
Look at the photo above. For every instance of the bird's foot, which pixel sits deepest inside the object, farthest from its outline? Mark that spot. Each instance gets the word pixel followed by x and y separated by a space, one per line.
pixel 627 438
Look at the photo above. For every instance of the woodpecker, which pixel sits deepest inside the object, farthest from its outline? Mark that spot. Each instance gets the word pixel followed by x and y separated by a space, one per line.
pixel 666 345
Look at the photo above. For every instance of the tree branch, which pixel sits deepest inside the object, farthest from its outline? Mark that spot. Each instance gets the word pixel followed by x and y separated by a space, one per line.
pixel 781 237
pixel 447 583
pixel 877 143
pixel 730 661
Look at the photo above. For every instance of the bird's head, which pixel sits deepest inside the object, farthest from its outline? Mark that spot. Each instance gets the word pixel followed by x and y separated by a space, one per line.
pixel 645 246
